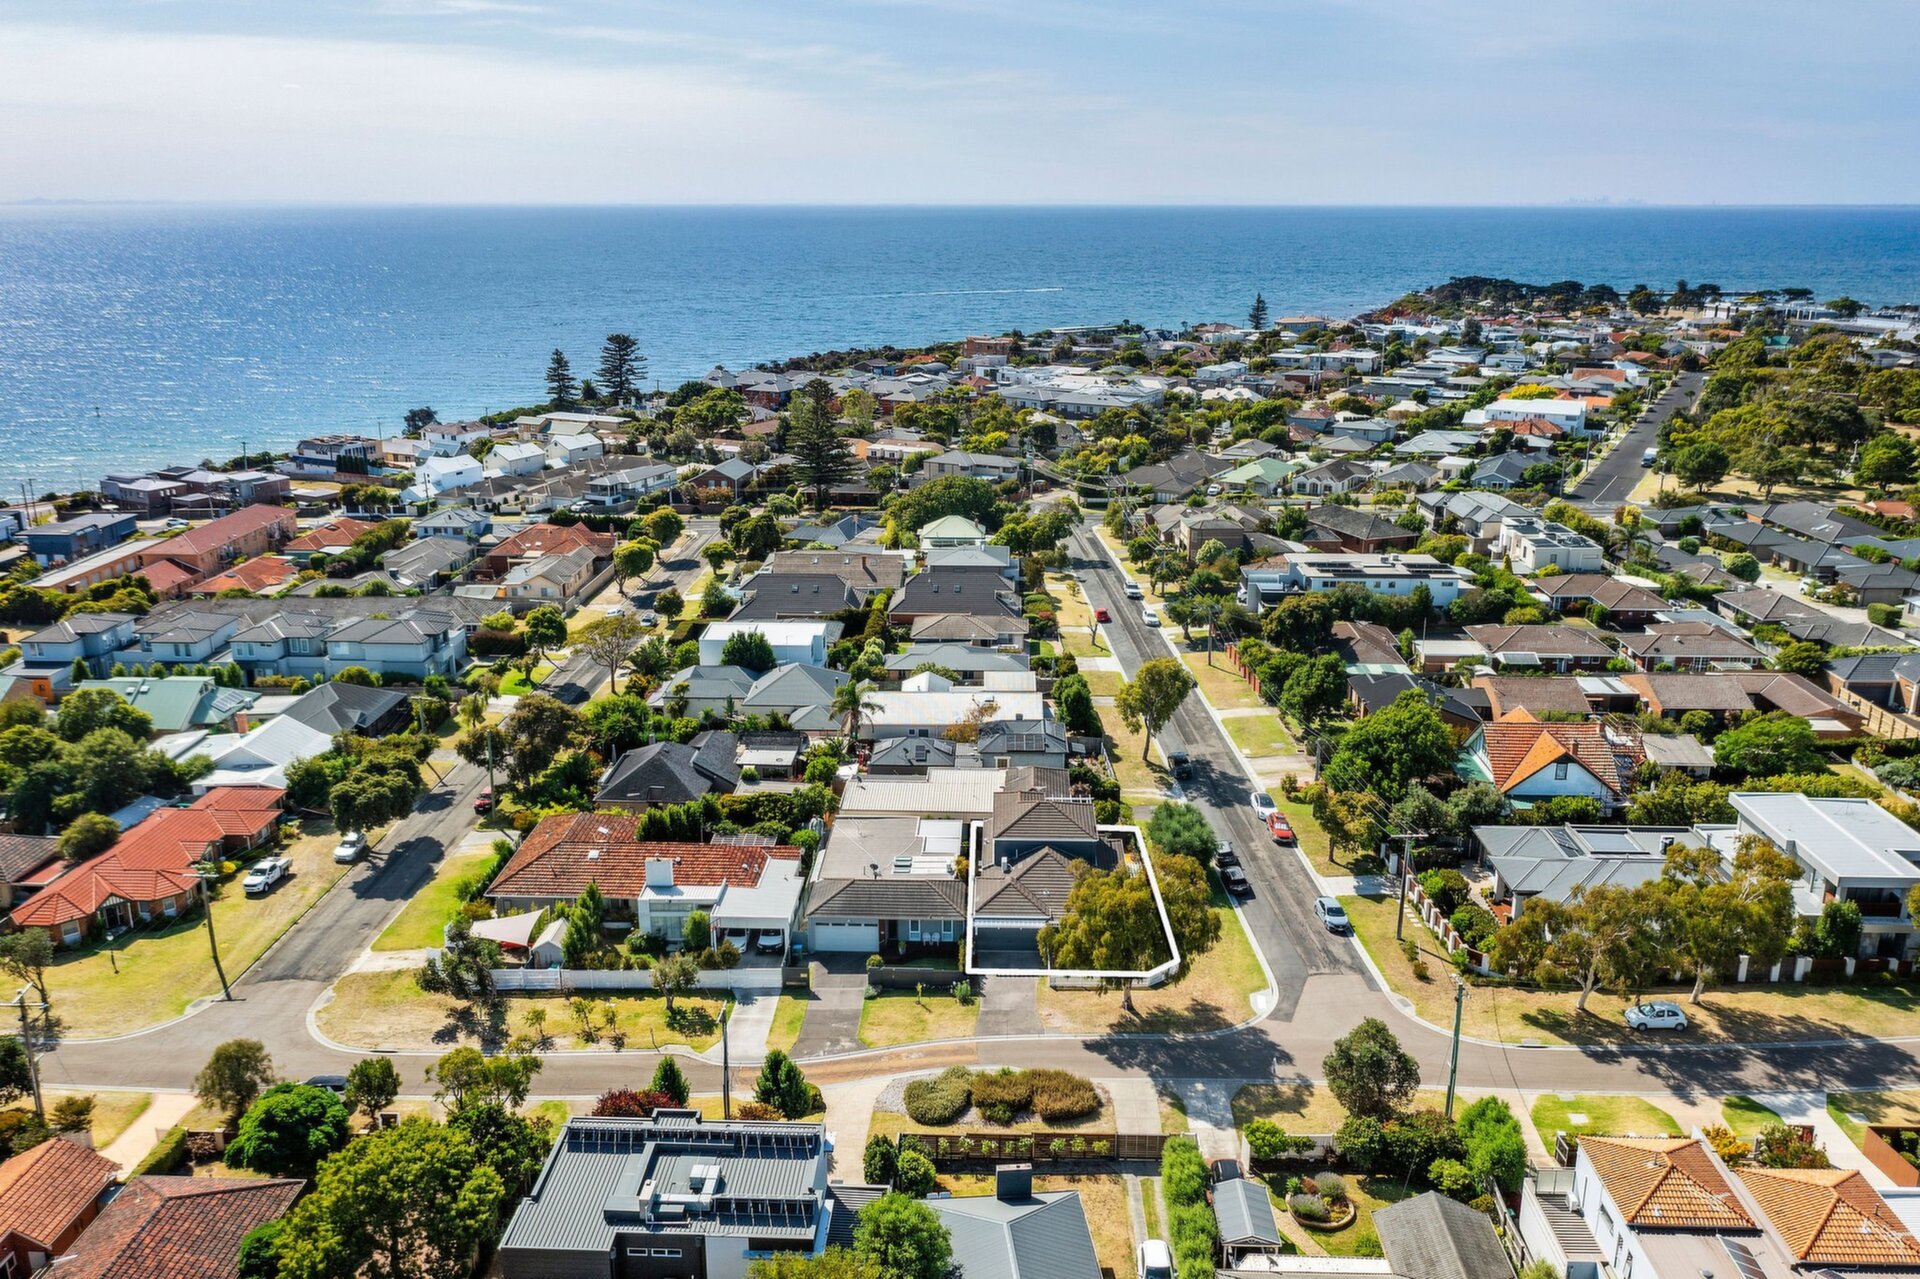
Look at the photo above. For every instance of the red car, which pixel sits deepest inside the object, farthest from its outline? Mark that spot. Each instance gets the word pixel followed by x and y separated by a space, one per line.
pixel 483 802
pixel 1101 615
pixel 1280 828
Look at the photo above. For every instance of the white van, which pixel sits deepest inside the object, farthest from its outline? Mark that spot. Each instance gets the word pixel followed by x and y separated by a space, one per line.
pixel 1647 458
pixel 1132 589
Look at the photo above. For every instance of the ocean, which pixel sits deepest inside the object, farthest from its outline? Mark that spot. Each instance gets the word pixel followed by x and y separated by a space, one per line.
pixel 136 336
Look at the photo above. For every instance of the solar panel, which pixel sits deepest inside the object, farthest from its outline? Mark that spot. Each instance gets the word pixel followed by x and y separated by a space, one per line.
pixel 1743 1258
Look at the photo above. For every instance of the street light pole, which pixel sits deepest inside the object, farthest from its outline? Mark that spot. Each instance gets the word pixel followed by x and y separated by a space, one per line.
pixel 1453 1061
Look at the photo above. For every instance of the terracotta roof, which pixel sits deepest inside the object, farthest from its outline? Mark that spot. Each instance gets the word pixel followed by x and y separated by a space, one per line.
pixel 215 534
pixel 1666 1182
pixel 552 539
pixel 336 534
pixel 256 574
pixel 241 799
pixel 554 860
pixel 153 860
pixel 165 576
pixel 175 1228
pixel 44 1191
pixel 1518 746
pixel 1831 1217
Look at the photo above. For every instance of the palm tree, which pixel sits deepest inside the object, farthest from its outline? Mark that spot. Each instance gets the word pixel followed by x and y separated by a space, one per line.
pixel 852 700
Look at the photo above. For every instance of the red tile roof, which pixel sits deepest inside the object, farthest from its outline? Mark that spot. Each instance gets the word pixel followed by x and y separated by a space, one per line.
pixel 44 1192
pixel 166 577
pixel 1668 1182
pixel 1831 1217
pixel 175 1228
pixel 258 574
pixel 552 539
pixel 215 534
pixel 336 534
pixel 152 861
pixel 554 860
pixel 235 799
pixel 1519 746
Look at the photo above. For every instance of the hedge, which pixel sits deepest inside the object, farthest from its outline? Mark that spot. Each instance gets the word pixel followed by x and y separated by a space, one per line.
pixel 167 1156
pixel 1192 1232
pixel 1060 1095
pixel 941 1100
pixel 1002 1095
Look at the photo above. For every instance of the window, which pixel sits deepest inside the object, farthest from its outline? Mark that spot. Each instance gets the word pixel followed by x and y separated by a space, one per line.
pixel 1560 771
pixel 913 930
pixel 1606 1221
pixel 666 1252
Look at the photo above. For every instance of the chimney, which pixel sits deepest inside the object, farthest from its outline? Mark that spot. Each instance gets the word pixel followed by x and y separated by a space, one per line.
pixel 659 872
pixel 1013 1183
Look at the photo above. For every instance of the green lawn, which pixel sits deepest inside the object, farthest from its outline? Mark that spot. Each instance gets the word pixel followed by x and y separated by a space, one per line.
pixel 787 1018
pixel 516 684
pixel 1260 734
pixel 1601 1115
pixel 903 1017
pixel 113 1112
pixel 1879 1106
pixel 1745 1116
pixel 419 925
pixel 1220 683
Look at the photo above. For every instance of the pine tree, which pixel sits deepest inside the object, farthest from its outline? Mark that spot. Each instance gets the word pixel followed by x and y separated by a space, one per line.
pixel 1257 317
pixel 822 457
pixel 622 368
pixel 668 1079
pixel 560 384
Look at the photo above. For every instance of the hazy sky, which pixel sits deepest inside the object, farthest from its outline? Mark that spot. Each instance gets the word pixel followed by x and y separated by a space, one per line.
pixel 961 101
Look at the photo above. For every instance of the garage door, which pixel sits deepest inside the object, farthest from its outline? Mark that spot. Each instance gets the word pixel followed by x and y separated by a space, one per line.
pixel 835 936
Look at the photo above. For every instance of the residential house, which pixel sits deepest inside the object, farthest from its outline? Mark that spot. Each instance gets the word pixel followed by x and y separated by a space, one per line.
pixel 1529 761
pixel 1035 841
pixel 330 538
pixel 175 1227
pixel 917 756
pixel 969 663
pixel 657 884
pixel 671 1195
pixel 734 476
pixel 328 457
pixel 670 773
pixel 1539 546
pixel 437 476
pixel 1022 744
pixel 201 552
pixel 1347 528
pixel 47 655
pixel 796 597
pixel 1598 596
pixel 1367 647
pixel 60 541
pixel 1013 1233
pixel 427 562
pixel 48 1195
pixel 1690 646
pixel 1554 862
pixel 1431 1235
pixel 1885 679
pixel 454 521
pixel 176 703
pixel 801 695
pixel 536 540
pixel 834 533
pixel 1557 694
pixel 1339 475
pixel 335 708
pixel 144 494
pixel 1679 752
pixel 887 885
pixel 866 573
pixel 952 530
pixel 555 580
pixel 621 486
pixel 1370 692
pixel 569 450
pixel 1726 694
pixel 415 642
pixel 28 863
pixel 927 705
pixel 149 874
pixel 1569 415
pixel 1177 477
pixel 997 558
pixel 979 466
pixel 974 592
pixel 1476 516
pixel 1266 582
pixel 1412 476
pixel 804 642
pixel 1850 850
pixel 1501 472
pixel 1550 647
pixel 1264 476
pixel 266 575
pixel 514 459
pixel 187 632
pixel 697 690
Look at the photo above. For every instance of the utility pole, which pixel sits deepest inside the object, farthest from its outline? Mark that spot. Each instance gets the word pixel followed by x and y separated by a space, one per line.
pixel 726 1067
pixel 213 944
pixel 1453 1061
pixel 20 1001
pixel 1406 868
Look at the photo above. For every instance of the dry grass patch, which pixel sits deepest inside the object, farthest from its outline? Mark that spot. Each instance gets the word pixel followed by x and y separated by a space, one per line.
pixel 1103 684
pixel 1260 735
pixel 1220 684
pixel 113 1112
pixel 388 1010
pixel 904 1017
pixel 1875 1106
pixel 1218 992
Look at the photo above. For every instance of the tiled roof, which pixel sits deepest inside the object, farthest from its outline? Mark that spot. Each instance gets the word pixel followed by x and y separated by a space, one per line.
pixel 1550 640
pixel 44 1191
pixel 165 576
pixel 551 539
pixel 1519 746
pixel 1667 1182
pixel 889 897
pixel 21 855
pixel 336 534
pixel 218 533
pixel 561 854
pixel 175 1228
pixel 257 574
pixel 1037 884
pixel 152 861
pixel 1035 815
pixel 1831 1217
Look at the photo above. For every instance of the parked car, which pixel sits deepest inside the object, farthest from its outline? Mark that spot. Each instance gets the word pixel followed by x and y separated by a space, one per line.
pixel 1263 805
pixel 175 524
pixel 1223 1170
pixel 1280 828
pixel 1332 915
pixel 483 802
pixel 649 618
pixel 1132 589
pixel 335 1084
pixel 1181 765
pixel 266 872
pixel 740 937
pixel 1661 1014
pixel 351 848
pixel 1101 615
pixel 1237 882
pixel 1153 1260
pixel 1223 854
pixel 616 610
pixel 770 941
pixel 1150 617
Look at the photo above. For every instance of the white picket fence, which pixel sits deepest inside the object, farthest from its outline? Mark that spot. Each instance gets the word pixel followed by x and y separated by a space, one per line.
pixel 548 980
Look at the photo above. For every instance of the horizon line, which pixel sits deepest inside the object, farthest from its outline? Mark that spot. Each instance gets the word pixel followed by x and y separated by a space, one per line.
pixel 1569 205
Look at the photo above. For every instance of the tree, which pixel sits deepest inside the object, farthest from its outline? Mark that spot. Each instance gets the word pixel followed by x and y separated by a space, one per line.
pixel 851 701
pixel 25 956
pixel 782 1086
pixel 1744 566
pixel 904 1238
pixel 372 1084
pixel 749 649
pixel 608 641
pixel 822 457
pixel 879 1161
pixel 669 604
pixel 1701 465
pixel 546 627
pixel 664 526
pixel 1315 690
pixel 668 1079
pixel 16 1080
pixel 622 367
pixel 697 933
pixel 412 1202
pixel 915 1175
pixel 1181 830
pixel 1153 695
pixel 468 1077
pixel 289 1130
pixel 1350 818
pixel 536 730
pixel 632 559
pixel 86 710
pixel 1885 460
pixel 1709 918
pixel 1602 936
pixel 1767 746
pixel 1369 1073
pixel 88 835
pixel 464 967
pixel 832 1263
pixel 676 975
pixel 1111 922
pixel 1399 744
pixel 260 1252
pixel 1800 657
pixel 561 388
pixel 1073 697
pixel 234 1075
pixel 757 538
pixel 1496 1148
pixel 1769 464
pixel 1257 316
pixel 418 420
pixel 515 1146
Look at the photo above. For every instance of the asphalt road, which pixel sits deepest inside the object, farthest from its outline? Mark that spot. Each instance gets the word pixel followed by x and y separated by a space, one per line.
pixel 1608 484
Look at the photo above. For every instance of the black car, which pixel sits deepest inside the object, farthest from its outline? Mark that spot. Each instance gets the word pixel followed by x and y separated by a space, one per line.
pixel 1181 765
pixel 1237 882
pixel 1224 856
pixel 1223 1170
pixel 335 1084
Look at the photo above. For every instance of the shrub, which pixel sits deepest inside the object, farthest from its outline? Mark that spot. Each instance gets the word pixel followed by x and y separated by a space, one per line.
pixel 1309 1207
pixel 1451 1178
pixel 166 1156
pixel 1475 924
pixel 1330 1186
pixel 1002 1095
pixel 941 1100
pixel 1267 1141
pixel 1446 889
pixel 1060 1095
pixel 1884 614
pixel 879 1161
pixel 914 1174
pixel 1367 1244
pixel 1183 1172
pixel 756 1111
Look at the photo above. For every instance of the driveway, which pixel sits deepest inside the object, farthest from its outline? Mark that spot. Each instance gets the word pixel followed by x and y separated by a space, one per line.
pixel 833 1014
pixel 1009 1006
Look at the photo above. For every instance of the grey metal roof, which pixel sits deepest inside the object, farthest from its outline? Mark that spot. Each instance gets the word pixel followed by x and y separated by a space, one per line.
pixel 337 708
pixel 1245 1212
pixel 1042 1237
pixel 1436 1237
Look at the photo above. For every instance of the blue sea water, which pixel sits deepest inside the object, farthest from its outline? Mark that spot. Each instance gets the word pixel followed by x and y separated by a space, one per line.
pixel 139 336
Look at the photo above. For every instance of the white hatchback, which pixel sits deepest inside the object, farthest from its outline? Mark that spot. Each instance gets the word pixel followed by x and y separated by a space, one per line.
pixel 1661 1014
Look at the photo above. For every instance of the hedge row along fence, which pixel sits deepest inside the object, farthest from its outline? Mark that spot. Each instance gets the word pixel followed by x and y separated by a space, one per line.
pixel 948 1149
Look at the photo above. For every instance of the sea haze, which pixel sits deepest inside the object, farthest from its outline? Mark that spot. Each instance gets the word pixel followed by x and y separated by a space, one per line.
pixel 138 336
